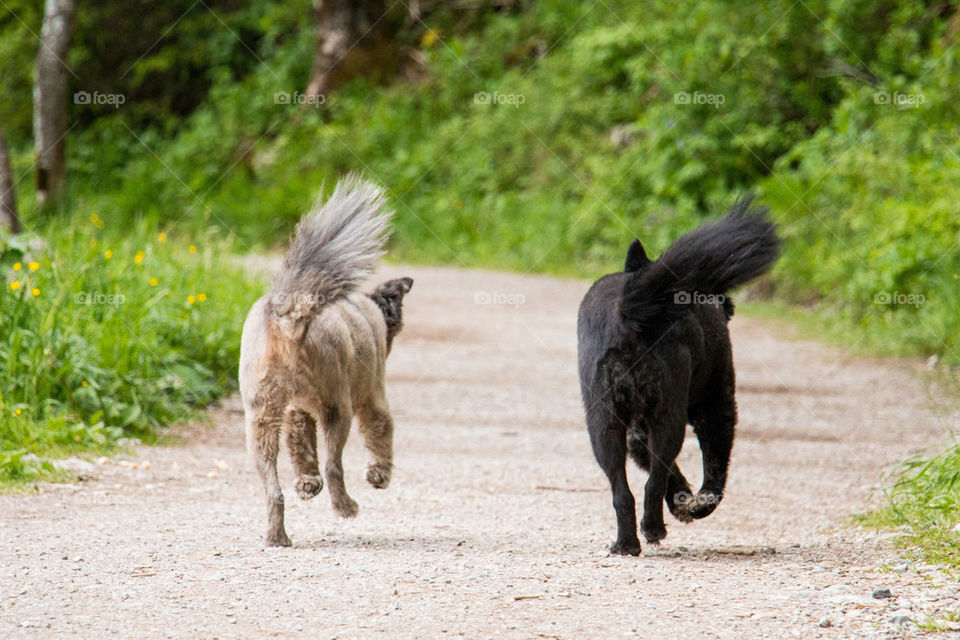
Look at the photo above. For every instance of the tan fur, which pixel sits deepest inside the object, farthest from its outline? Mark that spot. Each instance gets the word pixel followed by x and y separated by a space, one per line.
pixel 335 371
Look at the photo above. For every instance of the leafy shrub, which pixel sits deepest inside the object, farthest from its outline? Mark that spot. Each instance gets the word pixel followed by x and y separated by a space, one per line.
pixel 108 333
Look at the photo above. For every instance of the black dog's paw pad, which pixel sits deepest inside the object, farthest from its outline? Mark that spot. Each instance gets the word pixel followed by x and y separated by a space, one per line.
pixel 625 548
pixel 679 506
pixel 681 513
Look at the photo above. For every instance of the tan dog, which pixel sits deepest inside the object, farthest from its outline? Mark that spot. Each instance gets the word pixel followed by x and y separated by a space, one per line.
pixel 314 351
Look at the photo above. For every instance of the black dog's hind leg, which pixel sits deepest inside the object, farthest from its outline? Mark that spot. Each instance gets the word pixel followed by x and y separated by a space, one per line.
pixel 714 423
pixel 678 493
pixel 609 441
pixel 665 442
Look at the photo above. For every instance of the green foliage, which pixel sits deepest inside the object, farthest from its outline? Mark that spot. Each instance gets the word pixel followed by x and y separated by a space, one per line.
pixel 868 208
pixel 926 500
pixel 19 21
pixel 108 332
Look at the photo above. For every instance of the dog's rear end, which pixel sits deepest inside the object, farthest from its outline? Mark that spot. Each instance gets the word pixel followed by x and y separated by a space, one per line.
pixel 313 351
pixel 654 355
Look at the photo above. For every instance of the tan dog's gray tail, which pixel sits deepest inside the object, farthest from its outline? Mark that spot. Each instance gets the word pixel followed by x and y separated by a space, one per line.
pixel 335 248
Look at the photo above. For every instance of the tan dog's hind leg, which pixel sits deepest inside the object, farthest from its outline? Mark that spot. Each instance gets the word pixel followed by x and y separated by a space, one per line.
pixel 263 438
pixel 376 425
pixel 336 428
pixel 301 431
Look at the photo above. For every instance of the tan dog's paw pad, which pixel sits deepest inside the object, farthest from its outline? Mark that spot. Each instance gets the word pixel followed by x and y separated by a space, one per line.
pixel 378 476
pixel 308 486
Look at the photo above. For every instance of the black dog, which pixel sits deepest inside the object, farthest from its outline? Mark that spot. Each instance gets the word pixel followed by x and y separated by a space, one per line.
pixel 654 355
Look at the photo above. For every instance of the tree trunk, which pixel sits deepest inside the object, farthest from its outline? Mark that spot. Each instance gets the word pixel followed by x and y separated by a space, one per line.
pixel 8 199
pixel 50 99
pixel 349 42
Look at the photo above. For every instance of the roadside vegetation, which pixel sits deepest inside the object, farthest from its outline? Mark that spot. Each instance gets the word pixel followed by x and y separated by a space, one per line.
pixel 924 501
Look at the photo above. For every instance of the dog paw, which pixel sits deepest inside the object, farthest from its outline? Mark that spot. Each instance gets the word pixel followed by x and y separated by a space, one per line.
pixel 679 506
pixel 626 547
pixel 654 533
pixel 681 513
pixel 308 486
pixel 378 475
pixel 346 507
pixel 277 540
pixel 704 503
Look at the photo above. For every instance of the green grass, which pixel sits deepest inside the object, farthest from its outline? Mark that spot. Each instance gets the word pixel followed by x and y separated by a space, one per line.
pixel 924 500
pixel 109 331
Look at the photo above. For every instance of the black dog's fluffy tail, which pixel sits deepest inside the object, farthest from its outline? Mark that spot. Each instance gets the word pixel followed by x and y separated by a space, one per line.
pixel 708 261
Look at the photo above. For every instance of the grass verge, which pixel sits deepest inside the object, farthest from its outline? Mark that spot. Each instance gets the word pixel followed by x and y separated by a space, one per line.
pixel 109 333
pixel 925 502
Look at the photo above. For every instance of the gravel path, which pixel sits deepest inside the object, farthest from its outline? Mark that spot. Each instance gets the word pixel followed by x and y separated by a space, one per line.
pixel 498 519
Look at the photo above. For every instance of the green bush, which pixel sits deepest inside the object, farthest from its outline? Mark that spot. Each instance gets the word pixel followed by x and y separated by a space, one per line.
pixel 868 210
pixel 111 332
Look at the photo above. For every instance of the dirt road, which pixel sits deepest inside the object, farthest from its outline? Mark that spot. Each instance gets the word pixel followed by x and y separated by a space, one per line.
pixel 498 519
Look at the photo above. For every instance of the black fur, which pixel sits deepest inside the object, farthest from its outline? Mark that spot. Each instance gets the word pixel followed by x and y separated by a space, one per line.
pixel 654 355
pixel 389 297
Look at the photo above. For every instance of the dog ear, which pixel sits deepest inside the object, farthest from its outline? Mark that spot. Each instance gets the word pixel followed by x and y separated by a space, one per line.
pixel 407 284
pixel 636 257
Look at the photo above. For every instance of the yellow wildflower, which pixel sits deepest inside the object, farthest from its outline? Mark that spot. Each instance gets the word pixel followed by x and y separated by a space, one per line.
pixel 139 257
pixel 17 267
pixel 34 266
pixel 191 299
pixel 193 249
pixel 154 282
pixel 35 292
pixel 107 254
pixel 15 285
pixel 161 237
pixel 201 297
pixel 429 38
